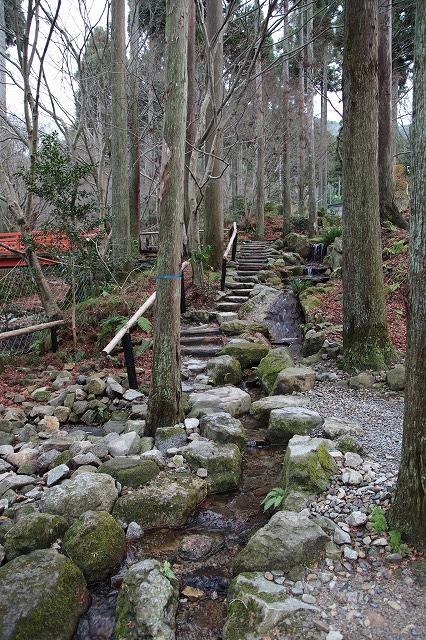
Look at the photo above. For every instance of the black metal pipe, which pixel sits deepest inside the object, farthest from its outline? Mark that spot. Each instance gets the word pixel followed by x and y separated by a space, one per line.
pixel 222 280
pixel 234 248
pixel 182 295
pixel 54 339
pixel 129 359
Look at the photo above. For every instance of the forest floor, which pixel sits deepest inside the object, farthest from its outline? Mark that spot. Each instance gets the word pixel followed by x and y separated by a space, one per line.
pixel 376 595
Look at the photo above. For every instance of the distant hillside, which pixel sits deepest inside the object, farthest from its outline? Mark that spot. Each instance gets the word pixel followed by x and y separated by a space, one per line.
pixel 333 128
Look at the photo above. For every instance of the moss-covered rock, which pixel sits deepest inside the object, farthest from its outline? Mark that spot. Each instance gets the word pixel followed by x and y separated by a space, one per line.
pixel 34 531
pixel 396 378
pixel 248 354
pixel 222 461
pixel 237 327
pixel 308 464
pixel 147 603
pixel 256 308
pixel 169 437
pixel 297 243
pixel 287 540
pixel 224 370
pixel 229 399
pixel 270 366
pixel 259 608
pixel 263 407
pixel 294 379
pixel 223 428
pixel 130 472
pixel 166 502
pixel 96 544
pixel 42 597
pixel 290 421
pixel 349 443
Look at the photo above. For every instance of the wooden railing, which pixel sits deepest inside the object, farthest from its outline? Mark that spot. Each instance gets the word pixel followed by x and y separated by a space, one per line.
pixel 124 333
pixel 36 327
pixel 232 244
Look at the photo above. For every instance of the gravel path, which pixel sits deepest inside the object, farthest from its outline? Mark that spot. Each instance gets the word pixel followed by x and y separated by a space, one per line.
pixel 369 592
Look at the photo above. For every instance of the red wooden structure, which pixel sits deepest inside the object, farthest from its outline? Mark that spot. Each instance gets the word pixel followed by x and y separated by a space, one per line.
pixel 12 249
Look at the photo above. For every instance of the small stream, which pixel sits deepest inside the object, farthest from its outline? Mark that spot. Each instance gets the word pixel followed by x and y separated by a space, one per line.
pixel 201 553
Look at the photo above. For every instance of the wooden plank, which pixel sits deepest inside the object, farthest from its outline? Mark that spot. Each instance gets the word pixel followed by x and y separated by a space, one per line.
pixel 26 330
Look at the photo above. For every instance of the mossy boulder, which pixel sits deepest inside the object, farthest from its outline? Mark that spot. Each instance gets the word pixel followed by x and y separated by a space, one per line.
pixel 224 370
pixel 263 407
pixel 309 301
pixel 166 502
pixel 256 308
pixel 308 465
pixel 170 437
pixel 248 354
pixel 313 342
pixel 229 399
pixel 287 540
pixel 147 603
pixel 298 243
pixel 223 428
pixel 130 472
pixel 260 608
pixel 237 327
pixel 34 531
pixel 290 421
pixel 396 378
pixel 85 492
pixel 270 366
pixel 96 544
pixel 222 461
pixel 42 597
pixel 294 379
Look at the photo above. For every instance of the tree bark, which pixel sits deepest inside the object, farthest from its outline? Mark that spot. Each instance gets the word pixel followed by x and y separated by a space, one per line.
pixel 119 156
pixel 260 149
pixel 213 200
pixel 165 398
pixel 310 147
pixel 285 108
pixel 323 164
pixel 301 168
pixel 2 63
pixel 408 512
pixel 133 123
pixel 365 338
pixel 388 208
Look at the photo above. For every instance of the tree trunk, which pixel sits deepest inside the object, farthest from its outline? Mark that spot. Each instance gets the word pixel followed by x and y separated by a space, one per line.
pixel 285 108
pixel 323 164
pixel 260 148
pixel 365 339
pixel 388 209
pixel 165 398
pixel 310 150
pixel 119 157
pixel 213 200
pixel 2 64
pixel 301 169
pixel 133 124
pixel 408 512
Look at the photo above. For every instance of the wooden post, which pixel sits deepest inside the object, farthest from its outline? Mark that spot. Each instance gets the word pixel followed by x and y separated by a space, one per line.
pixel 234 248
pixel 222 280
pixel 129 358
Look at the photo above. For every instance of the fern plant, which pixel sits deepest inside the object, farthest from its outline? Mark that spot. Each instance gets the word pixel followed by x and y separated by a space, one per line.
pixel 273 499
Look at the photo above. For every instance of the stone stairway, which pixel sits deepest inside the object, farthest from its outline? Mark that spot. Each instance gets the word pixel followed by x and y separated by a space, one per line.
pixel 205 340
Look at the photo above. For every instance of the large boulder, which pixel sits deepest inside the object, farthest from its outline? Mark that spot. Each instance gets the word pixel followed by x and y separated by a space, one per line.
pixel 166 502
pixel 256 308
pixel 294 379
pixel 237 327
pixel 222 461
pixel 229 399
pixel 96 544
pixel 263 407
pixel 85 492
pixel 396 378
pixel 336 427
pixel 287 540
pixel 130 472
pixel 313 342
pixel 223 428
pixel 297 243
pixel 290 421
pixel 224 370
pixel 33 531
pixel 42 596
pixel 248 354
pixel 147 603
pixel 125 445
pixel 170 437
pixel 308 464
pixel 270 366
pixel 259 608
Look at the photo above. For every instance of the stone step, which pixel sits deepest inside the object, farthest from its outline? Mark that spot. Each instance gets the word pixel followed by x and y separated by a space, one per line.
pixel 237 285
pixel 198 351
pixel 199 331
pixel 227 306
pixel 246 272
pixel 237 299
pixel 209 340
pixel 240 292
pixel 246 278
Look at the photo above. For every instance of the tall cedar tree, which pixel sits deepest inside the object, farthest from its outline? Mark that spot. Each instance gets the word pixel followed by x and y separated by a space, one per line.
pixel 165 398
pixel 365 337
pixel 408 513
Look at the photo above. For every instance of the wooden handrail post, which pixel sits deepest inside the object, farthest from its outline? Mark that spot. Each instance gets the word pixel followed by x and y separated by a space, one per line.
pixel 129 359
pixel 54 339
pixel 222 279
pixel 234 248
